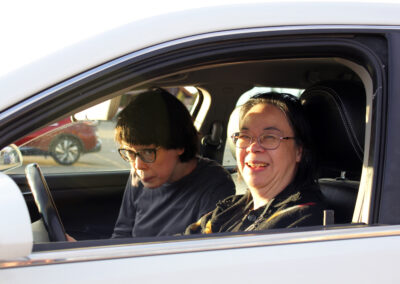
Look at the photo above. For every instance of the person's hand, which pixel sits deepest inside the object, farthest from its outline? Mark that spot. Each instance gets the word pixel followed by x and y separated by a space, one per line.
pixel 69 238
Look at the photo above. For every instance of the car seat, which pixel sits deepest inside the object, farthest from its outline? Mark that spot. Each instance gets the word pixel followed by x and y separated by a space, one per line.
pixel 336 112
pixel 233 126
pixel 211 144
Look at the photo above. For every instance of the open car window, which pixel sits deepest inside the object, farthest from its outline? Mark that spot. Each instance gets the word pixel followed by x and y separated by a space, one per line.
pixel 79 144
pixel 89 195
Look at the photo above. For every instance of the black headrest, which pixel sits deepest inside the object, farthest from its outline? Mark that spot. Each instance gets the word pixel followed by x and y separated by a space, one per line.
pixel 336 111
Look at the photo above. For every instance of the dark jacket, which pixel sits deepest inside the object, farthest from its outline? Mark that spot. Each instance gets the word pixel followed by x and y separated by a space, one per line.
pixel 293 207
pixel 170 208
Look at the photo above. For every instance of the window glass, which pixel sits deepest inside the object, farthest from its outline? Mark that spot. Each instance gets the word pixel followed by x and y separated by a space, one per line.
pixel 187 95
pixel 83 145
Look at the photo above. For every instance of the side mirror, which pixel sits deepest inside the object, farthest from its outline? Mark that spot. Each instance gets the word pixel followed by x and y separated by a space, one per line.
pixel 10 158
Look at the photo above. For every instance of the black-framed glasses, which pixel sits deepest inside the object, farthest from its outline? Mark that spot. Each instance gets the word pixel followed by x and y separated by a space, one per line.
pixel 267 140
pixel 146 155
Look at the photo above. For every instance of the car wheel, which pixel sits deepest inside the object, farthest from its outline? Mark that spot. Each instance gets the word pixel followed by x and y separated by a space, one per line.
pixel 66 150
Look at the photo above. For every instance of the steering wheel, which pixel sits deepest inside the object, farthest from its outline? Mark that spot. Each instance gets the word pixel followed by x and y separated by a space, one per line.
pixel 45 203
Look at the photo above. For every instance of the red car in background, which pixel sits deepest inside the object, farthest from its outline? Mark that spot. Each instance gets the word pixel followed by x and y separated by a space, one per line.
pixel 64 140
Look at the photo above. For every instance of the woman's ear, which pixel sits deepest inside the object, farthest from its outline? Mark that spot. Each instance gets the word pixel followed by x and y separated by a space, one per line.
pixel 299 153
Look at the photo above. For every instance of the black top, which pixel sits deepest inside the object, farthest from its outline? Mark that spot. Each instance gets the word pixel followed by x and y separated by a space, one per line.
pixel 169 209
pixel 293 207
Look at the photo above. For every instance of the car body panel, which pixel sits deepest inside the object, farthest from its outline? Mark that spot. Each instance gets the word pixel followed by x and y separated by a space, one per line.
pixel 294 257
pixel 204 22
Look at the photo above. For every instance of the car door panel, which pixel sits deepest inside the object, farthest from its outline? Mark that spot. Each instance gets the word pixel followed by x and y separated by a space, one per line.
pixel 88 203
pixel 291 258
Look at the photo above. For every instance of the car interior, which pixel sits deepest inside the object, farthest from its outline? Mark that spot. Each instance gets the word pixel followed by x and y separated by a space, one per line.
pixel 336 111
pixel 332 91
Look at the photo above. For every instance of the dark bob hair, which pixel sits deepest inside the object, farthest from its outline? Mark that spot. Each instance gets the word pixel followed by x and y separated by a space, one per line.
pixel 158 118
pixel 293 110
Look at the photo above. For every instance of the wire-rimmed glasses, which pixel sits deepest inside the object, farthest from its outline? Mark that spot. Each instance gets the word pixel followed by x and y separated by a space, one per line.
pixel 267 140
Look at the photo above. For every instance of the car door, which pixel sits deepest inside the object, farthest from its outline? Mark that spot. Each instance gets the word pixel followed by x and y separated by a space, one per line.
pixel 220 66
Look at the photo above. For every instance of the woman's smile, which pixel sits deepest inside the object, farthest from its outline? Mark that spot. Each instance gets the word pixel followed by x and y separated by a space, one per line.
pixel 256 165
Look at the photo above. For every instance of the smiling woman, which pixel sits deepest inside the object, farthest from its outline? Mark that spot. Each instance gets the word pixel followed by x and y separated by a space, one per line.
pixel 276 162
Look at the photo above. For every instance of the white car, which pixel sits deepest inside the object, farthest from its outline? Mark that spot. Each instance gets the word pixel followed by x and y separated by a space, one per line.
pixel 341 58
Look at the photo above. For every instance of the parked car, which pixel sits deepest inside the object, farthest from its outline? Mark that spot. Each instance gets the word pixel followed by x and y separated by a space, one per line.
pixel 344 59
pixel 64 140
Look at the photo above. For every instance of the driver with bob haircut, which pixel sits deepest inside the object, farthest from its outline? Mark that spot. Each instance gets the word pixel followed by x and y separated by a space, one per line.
pixel 170 186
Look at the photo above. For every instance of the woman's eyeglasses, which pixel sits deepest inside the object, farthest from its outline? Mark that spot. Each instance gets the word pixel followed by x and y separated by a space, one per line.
pixel 146 155
pixel 268 141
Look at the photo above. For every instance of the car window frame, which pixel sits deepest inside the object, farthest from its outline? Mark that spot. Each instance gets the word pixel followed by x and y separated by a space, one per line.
pixel 95 83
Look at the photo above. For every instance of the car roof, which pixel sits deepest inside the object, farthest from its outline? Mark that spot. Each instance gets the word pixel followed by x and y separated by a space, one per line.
pixel 181 25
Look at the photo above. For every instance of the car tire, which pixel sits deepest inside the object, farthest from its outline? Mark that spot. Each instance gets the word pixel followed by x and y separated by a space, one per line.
pixel 66 150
